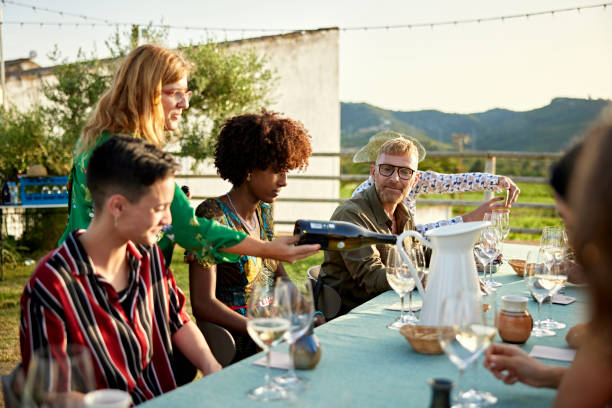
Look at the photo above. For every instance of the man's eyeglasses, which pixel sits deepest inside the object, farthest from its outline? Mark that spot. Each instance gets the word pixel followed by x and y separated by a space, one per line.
pixel 387 170
pixel 178 96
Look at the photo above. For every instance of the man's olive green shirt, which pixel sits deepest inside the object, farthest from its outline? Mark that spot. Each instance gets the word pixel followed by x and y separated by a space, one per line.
pixel 360 274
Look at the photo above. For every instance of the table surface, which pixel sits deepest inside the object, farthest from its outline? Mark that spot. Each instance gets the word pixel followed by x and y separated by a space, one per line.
pixel 364 364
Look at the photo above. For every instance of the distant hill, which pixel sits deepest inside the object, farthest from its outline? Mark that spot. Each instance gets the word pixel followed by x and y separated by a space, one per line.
pixel 547 129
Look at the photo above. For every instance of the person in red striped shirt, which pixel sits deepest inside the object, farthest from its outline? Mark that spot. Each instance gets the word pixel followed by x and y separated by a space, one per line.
pixel 108 289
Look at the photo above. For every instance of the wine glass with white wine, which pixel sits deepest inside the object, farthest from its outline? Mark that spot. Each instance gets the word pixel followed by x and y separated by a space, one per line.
pixel 301 308
pixel 463 334
pixel 268 321
pixel 401 281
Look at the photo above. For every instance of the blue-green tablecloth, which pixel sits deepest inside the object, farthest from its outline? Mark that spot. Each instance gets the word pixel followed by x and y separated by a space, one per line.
pixel 364 364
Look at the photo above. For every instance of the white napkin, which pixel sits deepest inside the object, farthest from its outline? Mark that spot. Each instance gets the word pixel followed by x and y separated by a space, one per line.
pixel 562 299
pixel 416 306
pixel 277 360
pixel 553 353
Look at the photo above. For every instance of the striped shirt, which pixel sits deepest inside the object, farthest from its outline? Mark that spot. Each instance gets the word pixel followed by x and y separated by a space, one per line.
pixel 66 302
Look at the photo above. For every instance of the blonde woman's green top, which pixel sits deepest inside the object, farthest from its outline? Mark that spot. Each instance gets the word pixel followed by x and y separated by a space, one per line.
pixel 201 236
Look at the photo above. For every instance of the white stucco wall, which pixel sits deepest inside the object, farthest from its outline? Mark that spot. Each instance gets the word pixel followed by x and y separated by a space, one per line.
pixel 306 64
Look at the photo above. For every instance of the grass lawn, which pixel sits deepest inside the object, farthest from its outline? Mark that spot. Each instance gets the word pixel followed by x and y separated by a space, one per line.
pixel 16 277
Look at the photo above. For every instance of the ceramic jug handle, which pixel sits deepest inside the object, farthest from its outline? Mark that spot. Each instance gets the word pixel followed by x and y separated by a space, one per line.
pixel 404 254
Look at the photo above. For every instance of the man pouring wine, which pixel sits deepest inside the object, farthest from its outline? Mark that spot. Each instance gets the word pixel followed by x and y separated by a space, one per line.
pixel 360 274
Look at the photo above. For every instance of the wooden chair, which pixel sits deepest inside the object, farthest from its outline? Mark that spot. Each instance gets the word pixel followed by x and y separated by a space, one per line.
pixel 219 340
pixel 329 301
pixel 11 399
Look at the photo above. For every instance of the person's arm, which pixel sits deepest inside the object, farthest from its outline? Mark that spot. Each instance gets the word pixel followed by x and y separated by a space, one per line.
pixel 281 249
pixel 511 364
pixel 432 182
pixel 204 303
pixel 588 381
pixel 190 341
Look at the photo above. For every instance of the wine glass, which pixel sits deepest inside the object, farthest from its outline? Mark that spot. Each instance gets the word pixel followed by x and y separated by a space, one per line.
pixel 552 237
pixel 59 376
pixel 493 235
pixel 503 217
pixel 541 284
pixel 401 281
pixel 490 311
pixel 301 308
pixel 463 334
pixel 267 322
pixel 559 268
pixel 485 250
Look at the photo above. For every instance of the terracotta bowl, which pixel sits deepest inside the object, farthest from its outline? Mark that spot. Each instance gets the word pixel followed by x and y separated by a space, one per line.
pixel 518 265
pixel 423 339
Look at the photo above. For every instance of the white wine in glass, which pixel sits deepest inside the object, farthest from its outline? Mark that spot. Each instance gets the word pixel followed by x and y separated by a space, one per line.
pixel 267 323
pixel 401 281
pixel 301 308
pixel 463 334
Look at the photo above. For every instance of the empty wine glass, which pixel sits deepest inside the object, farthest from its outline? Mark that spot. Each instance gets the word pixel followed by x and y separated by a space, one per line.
pixel 503 222
pixel 59 376
pixel 268 321
pixel 301 307
pixel 486 251
pixel 463 333
pixel 540 283
pixel 553 237
pixel 493 235
pixel 401 281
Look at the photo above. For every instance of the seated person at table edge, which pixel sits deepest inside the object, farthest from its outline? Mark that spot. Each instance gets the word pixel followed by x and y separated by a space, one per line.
pixel 430 182
pixel 253 152
pixel 587 382
pixel 108 289
pixel 359 275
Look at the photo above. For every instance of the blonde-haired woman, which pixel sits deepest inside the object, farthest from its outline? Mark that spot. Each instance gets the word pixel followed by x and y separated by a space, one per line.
pixel 146 99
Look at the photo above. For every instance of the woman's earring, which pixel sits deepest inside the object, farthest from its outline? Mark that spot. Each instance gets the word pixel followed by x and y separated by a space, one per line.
pixel 249 177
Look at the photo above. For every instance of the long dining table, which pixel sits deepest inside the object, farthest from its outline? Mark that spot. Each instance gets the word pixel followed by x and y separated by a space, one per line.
pixel 365 364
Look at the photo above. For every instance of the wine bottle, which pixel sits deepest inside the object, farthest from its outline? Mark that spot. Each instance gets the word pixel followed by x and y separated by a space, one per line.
pixel 440 393
pixel 338 235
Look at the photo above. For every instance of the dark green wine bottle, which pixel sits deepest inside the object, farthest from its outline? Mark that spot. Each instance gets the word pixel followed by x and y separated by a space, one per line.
pixel 338 235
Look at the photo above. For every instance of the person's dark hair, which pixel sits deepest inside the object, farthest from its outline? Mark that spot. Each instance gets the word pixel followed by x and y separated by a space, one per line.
pixel 259 142
pixel 127 166
pixel 562 170
pixel 591 199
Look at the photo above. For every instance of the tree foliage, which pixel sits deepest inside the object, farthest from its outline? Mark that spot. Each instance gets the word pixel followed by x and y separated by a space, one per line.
pixel 224 82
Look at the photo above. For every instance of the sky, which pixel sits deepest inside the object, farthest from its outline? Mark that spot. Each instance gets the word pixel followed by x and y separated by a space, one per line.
pixel 518 64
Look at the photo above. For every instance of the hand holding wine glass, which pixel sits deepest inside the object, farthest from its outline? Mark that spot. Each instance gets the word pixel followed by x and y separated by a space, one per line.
pixel 268 321
pixel 299 299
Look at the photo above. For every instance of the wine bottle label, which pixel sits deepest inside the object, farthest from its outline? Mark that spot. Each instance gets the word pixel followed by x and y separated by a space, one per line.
pixel 320 225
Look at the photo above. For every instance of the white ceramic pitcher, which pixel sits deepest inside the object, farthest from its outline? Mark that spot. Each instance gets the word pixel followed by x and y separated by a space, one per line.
pixel 451 269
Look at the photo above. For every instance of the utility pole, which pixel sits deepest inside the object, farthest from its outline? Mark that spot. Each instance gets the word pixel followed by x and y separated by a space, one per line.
pixel 2 75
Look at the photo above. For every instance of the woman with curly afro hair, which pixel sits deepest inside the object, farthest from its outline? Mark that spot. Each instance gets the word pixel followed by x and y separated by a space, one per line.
pixel 254 152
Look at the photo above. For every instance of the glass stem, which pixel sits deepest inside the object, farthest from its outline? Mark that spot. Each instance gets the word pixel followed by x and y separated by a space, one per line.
pixel 460 386
pixel 267 377
pixel 550 308
pixel 540 313
pixel 291 372
pixel 410 312
pixel 402 308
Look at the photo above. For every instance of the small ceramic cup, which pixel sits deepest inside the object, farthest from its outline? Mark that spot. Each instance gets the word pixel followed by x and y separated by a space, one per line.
pixel 107 399
pixel 514 322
